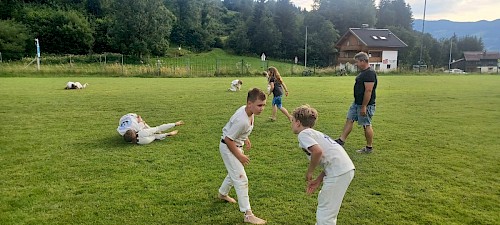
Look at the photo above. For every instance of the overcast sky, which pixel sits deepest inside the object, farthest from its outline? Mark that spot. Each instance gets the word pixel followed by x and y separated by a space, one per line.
pixel 454 10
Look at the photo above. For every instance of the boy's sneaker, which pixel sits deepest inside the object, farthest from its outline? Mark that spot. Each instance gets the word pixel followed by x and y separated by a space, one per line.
pixel 365 150
pixel 253 219
pixel 226 198
pixel 340 142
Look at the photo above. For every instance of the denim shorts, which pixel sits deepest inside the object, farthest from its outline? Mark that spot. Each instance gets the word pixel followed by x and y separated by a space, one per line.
pixel 354 114
pixel 277 101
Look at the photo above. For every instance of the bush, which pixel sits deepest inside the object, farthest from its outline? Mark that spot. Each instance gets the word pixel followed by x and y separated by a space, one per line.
pixel 13 39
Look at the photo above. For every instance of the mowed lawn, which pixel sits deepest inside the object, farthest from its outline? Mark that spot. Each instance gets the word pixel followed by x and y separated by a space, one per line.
pixel 436 158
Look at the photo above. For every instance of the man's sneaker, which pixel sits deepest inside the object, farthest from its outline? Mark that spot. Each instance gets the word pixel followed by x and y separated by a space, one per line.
pixel 253 219
pixel 365 150
pixel 226 198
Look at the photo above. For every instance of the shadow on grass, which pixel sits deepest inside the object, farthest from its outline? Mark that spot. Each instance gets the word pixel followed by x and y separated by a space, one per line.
pixel 112 142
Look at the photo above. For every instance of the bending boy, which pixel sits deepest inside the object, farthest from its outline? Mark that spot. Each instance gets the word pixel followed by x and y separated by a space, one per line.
pixel 322 150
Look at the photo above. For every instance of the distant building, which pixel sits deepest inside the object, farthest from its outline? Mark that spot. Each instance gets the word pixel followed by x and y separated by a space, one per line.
pixel 381 45
pixel 478 62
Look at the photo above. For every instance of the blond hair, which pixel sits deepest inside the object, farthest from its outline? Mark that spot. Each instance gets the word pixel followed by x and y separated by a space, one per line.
pixel 306 115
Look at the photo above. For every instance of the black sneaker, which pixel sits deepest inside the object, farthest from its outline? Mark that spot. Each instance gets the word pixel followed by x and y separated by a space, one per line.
pixel 340 142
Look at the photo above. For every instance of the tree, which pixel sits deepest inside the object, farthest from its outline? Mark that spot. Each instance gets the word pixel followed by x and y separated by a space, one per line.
pixel 13 39
pixel 140 27
pixel 197 23
pixel 394 13
pixel 345 14
pixel 321 40
pixel 8 8
pixel 285 18
pixel 470 43
pixel 60 32
pixel 262 32
pixel 238 40
pixel 407 56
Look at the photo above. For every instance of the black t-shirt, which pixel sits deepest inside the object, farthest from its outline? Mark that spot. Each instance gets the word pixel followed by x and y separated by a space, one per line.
pixel 367 75
pixel 278 89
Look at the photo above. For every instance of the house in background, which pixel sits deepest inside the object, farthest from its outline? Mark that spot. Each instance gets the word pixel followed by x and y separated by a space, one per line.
pixel 478 62
pixel 381 45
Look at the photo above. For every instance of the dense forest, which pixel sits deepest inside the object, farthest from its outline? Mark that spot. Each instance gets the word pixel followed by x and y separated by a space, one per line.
pixel 244 27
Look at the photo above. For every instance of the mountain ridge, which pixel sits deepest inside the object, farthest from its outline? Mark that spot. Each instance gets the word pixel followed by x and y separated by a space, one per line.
pixel 489 31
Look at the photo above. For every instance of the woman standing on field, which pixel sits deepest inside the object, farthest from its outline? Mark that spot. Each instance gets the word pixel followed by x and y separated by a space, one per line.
pixel 277 85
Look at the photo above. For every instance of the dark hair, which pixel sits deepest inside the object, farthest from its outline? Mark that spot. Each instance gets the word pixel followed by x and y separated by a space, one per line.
pixel 255 94
pixel 130 136
pixel 306 115
pixel 361 56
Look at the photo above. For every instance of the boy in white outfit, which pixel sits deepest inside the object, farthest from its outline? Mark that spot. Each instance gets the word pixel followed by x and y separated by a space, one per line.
pixel 235 85
pixel 148 135
pixel 135 130
pixel 75 85
pixel 234 135
pixel 131 121
pixel 322 150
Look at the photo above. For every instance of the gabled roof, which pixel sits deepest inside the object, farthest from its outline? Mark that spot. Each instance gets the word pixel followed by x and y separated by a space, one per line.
pixel 372 37
pixel 477 56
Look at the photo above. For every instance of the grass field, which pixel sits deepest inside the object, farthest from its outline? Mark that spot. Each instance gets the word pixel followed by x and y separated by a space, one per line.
pixel 436 158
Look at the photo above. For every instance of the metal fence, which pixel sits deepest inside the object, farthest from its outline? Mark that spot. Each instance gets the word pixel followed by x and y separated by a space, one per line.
pixel 122 65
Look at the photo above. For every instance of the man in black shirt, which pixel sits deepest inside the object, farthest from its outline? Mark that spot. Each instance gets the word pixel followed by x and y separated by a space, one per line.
pixel 363 107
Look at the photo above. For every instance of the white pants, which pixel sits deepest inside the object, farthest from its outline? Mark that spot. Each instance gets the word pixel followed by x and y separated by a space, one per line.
pixel 330 198
pixel 234 87
pixel 236 176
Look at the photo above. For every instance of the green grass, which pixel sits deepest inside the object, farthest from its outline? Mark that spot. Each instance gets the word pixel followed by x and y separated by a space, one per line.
pixel 436 158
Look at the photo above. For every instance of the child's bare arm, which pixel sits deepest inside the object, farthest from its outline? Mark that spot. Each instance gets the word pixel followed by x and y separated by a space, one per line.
pixel 316 153
pixel 236 152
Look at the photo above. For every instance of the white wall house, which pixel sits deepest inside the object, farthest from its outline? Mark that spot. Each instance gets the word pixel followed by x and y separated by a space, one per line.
pixel 381 45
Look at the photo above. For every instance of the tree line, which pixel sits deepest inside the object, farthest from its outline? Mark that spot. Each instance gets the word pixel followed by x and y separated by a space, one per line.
pixel 246 27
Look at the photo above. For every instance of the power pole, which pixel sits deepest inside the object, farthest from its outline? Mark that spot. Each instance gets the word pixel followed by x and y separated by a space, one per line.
pixel 422 41
pixel 305 52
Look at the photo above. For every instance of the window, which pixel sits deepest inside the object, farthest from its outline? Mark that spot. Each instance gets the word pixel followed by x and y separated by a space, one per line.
pixel 375 37
pixel 383 38
pixel 388 66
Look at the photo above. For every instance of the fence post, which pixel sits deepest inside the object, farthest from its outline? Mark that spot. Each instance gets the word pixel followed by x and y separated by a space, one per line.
pixel 241 66
pixel 123 72
pixel 217 67
pixel 158 65
pixel 1 57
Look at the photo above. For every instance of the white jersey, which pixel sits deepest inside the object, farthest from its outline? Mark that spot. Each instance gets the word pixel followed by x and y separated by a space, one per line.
pixel 334 160
pixel 130 122
pixel 235 85
pixel 239 126
pixel 75 85
pixel 70 85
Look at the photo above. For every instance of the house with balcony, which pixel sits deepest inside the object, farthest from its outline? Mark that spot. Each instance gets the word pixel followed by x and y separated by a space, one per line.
pixel 381 45
pixel 478 62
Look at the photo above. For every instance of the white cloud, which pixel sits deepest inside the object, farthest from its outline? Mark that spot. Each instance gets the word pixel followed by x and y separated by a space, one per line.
pixel 454 10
